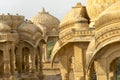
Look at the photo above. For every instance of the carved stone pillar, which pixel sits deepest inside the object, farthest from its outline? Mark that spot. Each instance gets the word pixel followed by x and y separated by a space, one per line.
pixel 45 53
pixel 111 75
pixel 19 59
pixel 12 60
pixel 23 60
pixel 64 67
pixel 78 65
pixel 6 55
pixel 88 75
pixel 37 62
pixel 40 61
pixel 27 62
pixel 64 74
pixel 30 62
pixel 112 69
pixel 100 68
pixel 33 55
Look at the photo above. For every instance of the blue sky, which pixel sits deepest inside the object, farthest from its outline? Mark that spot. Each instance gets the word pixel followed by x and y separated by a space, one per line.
pixel 29 8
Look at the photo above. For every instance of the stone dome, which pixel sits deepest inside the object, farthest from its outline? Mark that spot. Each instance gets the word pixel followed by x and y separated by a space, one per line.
pixel 30 32
pixel 45 19
pixel 110 15
pixel 96 7
pixel 4 27
pixel 76 15
pixel 29 27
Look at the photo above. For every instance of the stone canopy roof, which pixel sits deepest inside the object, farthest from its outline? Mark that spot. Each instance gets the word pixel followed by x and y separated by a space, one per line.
pixel 45 19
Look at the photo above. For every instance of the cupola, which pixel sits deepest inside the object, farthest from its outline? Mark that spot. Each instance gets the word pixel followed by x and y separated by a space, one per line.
pixel 44 18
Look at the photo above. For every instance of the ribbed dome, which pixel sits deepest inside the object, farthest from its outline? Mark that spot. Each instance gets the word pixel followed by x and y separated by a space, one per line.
pixel 75 15
pixel 4 27
pixel 96 7
pixel 110 15
pixel 29 27
pixel 30 32
pixel 45 19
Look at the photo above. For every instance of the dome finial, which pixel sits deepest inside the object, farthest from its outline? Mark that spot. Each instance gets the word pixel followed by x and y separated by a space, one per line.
pixel 43 10
pixel 78 5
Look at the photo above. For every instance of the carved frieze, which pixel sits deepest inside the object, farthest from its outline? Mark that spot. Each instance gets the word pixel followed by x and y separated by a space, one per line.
pixel 107 34
pixel 81 34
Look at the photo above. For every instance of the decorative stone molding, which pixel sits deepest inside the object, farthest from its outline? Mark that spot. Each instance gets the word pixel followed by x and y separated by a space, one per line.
pixel 72 23
pixel 107 34
pixel 14 21
pixel 76 33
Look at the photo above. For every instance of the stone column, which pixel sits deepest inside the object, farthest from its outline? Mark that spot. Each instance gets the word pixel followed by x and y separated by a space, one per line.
pixel 100 68
pixel 78 64
pixel 40 61
pixel 23 61
pixel 13 59
pixel 6 58
pixel 45 53
pixel 19 59
pixel 27 62
pixel 64 67
pixel 30 62
pixel 88 75
pixel 64 74
pixel 112 69
pixel 111 75
pixel 37 61
pixel 33 54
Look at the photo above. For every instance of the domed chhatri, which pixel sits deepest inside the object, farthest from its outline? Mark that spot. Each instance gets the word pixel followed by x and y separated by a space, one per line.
pixel 29 27
pixel 96 7
pixel 45 19
pixel 75 15
pixel 4 27
pixel 30 32
pixel 110 15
